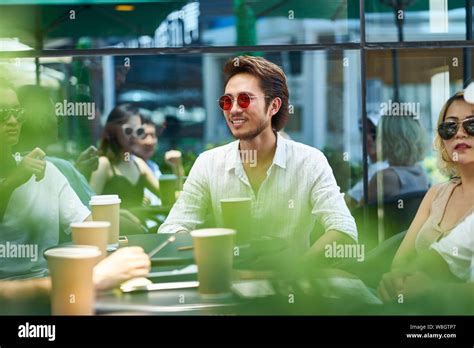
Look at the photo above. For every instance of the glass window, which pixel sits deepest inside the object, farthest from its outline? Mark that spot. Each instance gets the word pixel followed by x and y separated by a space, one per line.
pixel 402 115
pixel 411 20
pixel 179 93
pixel 179 23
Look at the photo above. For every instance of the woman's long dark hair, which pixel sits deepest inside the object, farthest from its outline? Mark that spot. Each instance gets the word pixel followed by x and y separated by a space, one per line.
pixel 109 144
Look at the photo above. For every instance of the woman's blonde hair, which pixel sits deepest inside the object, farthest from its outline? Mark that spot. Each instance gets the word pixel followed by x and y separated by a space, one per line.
pixel 445 164
pixel 403 140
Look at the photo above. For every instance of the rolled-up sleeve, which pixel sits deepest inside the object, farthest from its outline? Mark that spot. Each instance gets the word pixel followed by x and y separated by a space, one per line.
pixel 191 207
pixel 70 207
pixel 328 202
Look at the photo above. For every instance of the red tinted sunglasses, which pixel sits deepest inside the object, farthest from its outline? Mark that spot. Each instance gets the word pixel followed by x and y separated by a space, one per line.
pixel 243 100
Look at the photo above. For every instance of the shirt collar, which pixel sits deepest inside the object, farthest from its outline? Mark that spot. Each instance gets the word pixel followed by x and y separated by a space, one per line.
pixel 233 157
pixel 280 153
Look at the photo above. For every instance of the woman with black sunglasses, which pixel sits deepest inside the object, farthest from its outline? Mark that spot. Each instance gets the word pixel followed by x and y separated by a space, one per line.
pixel 119 171
pixel 446 205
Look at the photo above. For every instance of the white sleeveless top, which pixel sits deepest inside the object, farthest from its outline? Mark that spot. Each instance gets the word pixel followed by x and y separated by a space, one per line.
pixel 431 231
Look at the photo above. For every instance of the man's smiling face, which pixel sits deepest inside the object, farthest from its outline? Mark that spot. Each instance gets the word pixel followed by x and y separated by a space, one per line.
pixel 247 123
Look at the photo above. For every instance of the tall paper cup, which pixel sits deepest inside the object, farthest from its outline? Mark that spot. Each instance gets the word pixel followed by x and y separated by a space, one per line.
pixel 169 185
pixel 71 270
pixel 236 215
pixel 213 251
pixel 107 208
pixel 95 233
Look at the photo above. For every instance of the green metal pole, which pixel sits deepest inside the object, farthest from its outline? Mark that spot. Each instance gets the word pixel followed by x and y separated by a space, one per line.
pixel 246 24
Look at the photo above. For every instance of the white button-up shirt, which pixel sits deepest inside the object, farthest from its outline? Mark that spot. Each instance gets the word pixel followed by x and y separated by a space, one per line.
pixel 299 190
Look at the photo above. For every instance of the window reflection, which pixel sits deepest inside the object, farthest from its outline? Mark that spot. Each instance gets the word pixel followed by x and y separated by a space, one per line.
pixel 410 20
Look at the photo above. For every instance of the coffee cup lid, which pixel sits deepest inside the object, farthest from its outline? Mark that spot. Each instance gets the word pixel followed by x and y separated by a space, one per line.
pixel 168 177
pixel 212 232
pixel 236 199
pixel 73 252
pixel 105 200
pixel 91 224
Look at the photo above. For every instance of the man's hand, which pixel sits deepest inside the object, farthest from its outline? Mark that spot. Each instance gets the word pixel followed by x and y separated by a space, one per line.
pixel 32 164
pixel 122 265
pixel 316 255
pixel 391 285
pixel 88 161
pixel 417 285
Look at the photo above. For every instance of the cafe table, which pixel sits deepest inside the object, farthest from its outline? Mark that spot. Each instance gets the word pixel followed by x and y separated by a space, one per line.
pixel 174 267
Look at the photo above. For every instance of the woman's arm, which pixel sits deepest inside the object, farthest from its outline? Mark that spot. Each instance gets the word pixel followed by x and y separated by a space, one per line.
pixel 407 250
pixel 24 296
pixel 100 177
pixel 174 159
pixel 151 182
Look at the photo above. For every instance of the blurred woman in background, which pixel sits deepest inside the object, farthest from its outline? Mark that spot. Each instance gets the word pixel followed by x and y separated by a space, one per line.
pixel 120 172
pixel 402 144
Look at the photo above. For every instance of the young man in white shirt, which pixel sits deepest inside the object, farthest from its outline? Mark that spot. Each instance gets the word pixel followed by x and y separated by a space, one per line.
pixel 36 201
pixel 291 185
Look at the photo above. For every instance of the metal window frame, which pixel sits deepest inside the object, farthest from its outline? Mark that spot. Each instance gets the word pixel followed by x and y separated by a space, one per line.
pixel 362 46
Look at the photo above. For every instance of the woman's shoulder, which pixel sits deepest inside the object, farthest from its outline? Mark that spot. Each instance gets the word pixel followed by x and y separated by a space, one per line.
pixel 104 160
pixel 445 186
pixel 105 166
pixel 104 163
pixel 439 190
pixel 142 165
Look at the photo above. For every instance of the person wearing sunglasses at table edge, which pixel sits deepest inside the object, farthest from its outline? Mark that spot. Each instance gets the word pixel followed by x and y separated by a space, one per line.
pixel 445 206
pixel 120 172
pixel 35 202
pixel 291 185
